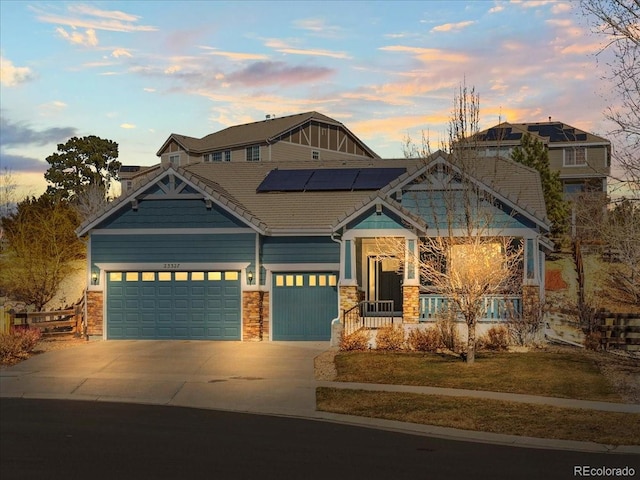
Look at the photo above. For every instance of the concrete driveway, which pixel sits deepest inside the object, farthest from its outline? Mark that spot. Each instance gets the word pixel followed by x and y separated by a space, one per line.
pixel 267 377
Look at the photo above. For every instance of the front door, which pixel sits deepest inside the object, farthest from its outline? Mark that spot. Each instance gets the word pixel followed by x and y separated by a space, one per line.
pixel 385 282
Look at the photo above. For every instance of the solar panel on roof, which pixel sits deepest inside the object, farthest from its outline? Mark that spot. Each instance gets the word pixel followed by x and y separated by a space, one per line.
pixel 376 178
pixel 332 179
pixel 328 179
pixel 285 181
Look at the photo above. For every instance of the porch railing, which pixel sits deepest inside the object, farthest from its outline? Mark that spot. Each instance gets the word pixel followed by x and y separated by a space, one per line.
pixel 496 307
pixel 368 314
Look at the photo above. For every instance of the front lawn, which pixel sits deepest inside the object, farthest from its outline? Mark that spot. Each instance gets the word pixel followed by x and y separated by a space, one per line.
pixel 556 373
pixel 486 415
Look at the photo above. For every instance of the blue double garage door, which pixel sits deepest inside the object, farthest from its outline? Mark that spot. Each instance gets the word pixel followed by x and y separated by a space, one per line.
pixel 173 305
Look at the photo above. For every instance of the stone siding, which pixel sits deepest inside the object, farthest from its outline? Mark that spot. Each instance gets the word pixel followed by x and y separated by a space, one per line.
pixel 255 316
pixel 95 313
pixel 410 304
pixel 531 301
pixel 349 298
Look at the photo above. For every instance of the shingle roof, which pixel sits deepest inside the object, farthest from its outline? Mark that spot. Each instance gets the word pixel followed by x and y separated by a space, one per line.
pixel 316 210
pixel 252 133
pixel 517 183
pixel 234 186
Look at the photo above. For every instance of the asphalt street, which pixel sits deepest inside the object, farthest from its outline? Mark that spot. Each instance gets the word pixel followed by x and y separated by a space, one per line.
pixel 51 439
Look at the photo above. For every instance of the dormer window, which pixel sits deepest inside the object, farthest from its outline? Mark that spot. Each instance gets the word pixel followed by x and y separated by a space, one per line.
pixel 174 160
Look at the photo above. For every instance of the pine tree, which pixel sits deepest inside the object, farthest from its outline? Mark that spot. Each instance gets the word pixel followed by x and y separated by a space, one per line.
pixel 533 153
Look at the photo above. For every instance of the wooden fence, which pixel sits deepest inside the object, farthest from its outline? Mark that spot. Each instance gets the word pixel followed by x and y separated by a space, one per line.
pixel 70 320
pixel 620 330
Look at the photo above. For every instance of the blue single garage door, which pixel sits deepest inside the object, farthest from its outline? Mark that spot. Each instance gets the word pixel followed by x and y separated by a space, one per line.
pixel 303 305
pixel 173 305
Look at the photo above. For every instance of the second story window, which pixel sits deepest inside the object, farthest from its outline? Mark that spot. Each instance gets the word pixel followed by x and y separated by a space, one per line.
pixel 221 156
pixel 315 155
pixel 253 153
pixel 575 156
pixel 174 160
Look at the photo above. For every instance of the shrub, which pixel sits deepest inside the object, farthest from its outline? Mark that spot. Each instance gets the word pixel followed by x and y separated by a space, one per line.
pixel 448 329
pixel 358 340
pixel 592 341
pixel 390 338
pixel 425 340
pixel 17 345
pixel 496 338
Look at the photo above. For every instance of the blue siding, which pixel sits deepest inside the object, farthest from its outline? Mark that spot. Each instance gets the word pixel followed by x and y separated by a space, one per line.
pixel 188 213
pixel 371 220
pixel 173 248
pixel 432 206
pixel 347 259
pixel 300 250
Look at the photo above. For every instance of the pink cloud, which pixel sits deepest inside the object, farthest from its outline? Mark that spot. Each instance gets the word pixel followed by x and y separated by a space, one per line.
pixel 277 73
pixel 453 27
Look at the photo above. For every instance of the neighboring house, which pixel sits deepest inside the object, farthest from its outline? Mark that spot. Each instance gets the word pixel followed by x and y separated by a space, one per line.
pixel 583 159
pixel 277 249
pixel 305 136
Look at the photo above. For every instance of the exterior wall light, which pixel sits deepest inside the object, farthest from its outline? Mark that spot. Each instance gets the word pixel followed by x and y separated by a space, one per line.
pixel 250 277
pixel 94 278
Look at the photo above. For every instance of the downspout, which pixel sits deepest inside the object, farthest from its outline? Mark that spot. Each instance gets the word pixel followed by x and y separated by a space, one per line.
pixel 336 321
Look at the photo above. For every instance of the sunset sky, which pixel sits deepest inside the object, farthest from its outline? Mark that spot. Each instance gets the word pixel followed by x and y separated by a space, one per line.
pixel 134 72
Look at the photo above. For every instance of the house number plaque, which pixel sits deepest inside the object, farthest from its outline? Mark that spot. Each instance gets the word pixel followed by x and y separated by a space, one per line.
pixel 171 265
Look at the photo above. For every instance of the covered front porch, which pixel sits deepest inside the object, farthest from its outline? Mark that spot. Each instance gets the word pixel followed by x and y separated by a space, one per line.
pixel 380 288
pixel 378 314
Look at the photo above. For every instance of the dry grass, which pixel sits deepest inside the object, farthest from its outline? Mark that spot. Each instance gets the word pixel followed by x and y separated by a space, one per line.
pixel 486 415
pixel 47 344
pixel 561 373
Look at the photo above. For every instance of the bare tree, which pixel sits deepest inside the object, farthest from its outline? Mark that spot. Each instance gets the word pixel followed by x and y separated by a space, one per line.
pixel 466 258
pixel 619 22
pixel 90 201
pixel 8 187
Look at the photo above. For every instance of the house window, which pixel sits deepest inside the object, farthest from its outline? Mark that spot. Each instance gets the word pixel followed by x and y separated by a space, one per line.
pixel 315 155
pixel 222 156
pixel 253 153
pixel 575 156
pixel 174 160
pixel 128 185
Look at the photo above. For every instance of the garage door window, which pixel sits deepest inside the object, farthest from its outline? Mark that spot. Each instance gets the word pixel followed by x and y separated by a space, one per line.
pixel 182 276
pixel 197 276
pixel 131 276
pixel 231 276
pixel 164 276
pixel 148 276
pixel 115 276
pixel 215 276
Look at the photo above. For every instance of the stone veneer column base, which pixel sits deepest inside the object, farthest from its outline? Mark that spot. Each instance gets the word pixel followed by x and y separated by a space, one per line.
pixel 410 304
pixel 255 309
pixel 95 313
pixel 530 301
pixel 349 298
